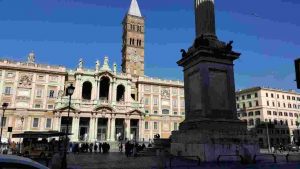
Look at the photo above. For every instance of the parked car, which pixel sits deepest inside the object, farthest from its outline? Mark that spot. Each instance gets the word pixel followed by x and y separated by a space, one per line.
pixel 293 148
pixel 17 162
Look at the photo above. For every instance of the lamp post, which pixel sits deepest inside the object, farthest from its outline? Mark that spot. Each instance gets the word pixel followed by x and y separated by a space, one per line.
pixel 22 121
pixel 70 91
pixel 4 107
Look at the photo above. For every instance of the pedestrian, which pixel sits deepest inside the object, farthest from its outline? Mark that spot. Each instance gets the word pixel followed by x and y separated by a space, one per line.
pixel 120 147
pixel 95 148
pixel 127 149
pixel 91 147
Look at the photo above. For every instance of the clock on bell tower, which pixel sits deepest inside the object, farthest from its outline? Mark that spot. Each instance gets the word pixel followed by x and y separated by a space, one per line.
pixel 133 41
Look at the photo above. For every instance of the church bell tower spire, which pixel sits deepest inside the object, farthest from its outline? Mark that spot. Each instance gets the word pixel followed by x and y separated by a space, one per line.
pixel 133 41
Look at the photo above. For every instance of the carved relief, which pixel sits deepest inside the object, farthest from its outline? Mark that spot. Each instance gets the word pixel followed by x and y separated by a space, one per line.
pixel 165 93
pixel 25 80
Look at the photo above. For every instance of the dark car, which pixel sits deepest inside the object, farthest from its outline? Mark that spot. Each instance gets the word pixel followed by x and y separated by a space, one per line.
pixel 293 148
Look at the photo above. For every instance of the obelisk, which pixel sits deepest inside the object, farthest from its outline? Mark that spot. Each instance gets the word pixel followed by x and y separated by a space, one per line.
pixel 211 127
pixel 205 18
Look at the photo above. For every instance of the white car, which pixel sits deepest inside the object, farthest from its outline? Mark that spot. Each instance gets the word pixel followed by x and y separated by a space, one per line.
pixel 17 162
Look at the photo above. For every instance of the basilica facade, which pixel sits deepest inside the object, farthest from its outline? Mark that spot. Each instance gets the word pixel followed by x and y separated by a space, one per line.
pixel 107 104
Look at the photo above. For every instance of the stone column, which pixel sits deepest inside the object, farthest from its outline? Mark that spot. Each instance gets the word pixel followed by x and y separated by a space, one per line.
pixel 108 129
pixel 113 129
pixel 127 122
pixel 140 130
pixel 205 18
pixel 98 90
pixel 110 92
pixel 96 129
pixel 91 129
pixel 75 125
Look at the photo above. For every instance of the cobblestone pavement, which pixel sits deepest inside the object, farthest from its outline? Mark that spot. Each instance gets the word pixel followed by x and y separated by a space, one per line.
pixel 113 160
pixel 116 160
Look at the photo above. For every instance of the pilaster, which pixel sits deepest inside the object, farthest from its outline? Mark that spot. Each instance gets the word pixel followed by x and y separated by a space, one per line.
pixel 113 129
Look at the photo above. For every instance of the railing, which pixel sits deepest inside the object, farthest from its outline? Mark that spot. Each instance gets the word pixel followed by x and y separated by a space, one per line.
pixel 273 155
pixel 219 157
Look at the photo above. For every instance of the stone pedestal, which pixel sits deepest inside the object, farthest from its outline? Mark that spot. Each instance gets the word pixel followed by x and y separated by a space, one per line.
pixel 211 127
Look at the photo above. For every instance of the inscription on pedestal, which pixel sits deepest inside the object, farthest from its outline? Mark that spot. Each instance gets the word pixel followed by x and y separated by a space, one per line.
pixel 195 92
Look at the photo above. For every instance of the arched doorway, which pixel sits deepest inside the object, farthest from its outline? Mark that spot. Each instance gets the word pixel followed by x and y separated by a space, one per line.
pixel 104 88
pixel 120 93
pixel 86 90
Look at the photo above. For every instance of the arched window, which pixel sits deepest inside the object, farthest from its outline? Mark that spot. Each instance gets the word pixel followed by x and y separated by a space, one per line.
pixel 251 122
pixel 120 93
pixel 104 88
pixel 257 121
pixel 165 111
pixel 86 90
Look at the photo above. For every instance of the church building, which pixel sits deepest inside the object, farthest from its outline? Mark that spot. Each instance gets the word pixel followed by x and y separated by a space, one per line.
pixel 107 105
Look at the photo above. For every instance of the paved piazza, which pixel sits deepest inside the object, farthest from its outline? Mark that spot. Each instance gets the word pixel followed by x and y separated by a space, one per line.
pixel 118 160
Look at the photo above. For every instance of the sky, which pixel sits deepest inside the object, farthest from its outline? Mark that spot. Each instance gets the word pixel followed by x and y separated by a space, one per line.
pixel 60 32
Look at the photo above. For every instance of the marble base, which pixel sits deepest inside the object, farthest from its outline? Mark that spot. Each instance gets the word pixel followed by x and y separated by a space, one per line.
pixel 210 142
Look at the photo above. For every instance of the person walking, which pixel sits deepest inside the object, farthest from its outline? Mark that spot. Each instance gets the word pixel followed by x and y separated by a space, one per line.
pixel 95 148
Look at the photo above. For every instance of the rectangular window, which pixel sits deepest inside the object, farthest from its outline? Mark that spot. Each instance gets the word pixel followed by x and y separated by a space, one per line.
pixel 277 96
pixel 41 77
pixel 155 112
pixel 272 95
pixel 285 114
pixel 289 97
pixel 273 103
pixel 7 90
pixel 248 96
pixel 250 104
pixel 237 98
pixel 37 106
pixel 282 96
pixel 267 95
pixel 257 113
pixel 243 97
pixel 39 93
pixel 244 105
pixel 51 93
pixel 237 106
pixel 256 103
pixel 269 112
pixel 280 113
pixel 50 106
pixel 48 123
pixel 274 113
pixel 155 126
pixel 284 105
pixel 291 114
pixel 155 101
pixel 293 98
pixel 268 104
pixel 9 74
pixel 35 122
pixel 146 125
pixel 175 113
pixel 278 104
pixel 174 102
pixel 146 101
pixel 255 95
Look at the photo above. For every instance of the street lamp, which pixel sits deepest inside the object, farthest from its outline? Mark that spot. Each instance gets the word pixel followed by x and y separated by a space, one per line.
pixel 70 91
pixel 4 107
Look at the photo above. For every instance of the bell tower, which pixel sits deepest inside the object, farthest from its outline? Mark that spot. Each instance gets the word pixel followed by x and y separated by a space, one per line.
pixel 133 41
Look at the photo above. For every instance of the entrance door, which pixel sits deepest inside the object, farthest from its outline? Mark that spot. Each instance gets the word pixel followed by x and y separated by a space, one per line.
pixel 101 135
pixel 83 133
pixel 134 133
